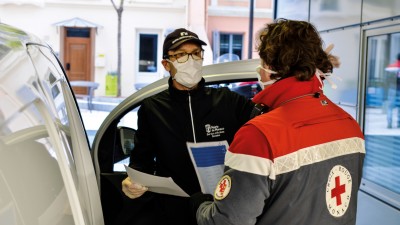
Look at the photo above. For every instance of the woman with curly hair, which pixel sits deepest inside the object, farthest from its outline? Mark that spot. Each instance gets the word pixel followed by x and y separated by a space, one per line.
pixel 299 163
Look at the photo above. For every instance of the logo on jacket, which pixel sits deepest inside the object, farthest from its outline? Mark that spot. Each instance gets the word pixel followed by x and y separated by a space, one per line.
pixel 214 130
pixel 223 188
pixel 338 191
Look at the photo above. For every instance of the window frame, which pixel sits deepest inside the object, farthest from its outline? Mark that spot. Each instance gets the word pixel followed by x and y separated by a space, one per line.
pixel 376 190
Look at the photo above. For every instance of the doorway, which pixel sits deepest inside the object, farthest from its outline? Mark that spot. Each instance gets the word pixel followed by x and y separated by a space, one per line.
pixel 78 55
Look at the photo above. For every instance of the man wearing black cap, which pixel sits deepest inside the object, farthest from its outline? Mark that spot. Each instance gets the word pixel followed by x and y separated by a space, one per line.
pixel 186 112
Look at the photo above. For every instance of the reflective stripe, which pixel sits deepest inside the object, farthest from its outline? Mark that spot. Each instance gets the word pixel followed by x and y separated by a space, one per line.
pixel 294 160
pixel 191 118
pixel 250 163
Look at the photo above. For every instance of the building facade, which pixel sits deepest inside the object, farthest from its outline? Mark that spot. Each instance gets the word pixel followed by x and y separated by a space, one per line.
pixel 84 34
pixel 230 30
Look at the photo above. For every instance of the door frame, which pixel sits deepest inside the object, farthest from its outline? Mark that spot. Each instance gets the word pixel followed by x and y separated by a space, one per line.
pixel 377 191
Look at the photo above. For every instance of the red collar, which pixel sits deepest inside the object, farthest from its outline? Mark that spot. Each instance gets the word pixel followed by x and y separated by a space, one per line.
pixel 286 89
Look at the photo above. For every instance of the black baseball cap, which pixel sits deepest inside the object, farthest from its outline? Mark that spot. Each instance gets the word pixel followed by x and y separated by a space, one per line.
pixel 178 37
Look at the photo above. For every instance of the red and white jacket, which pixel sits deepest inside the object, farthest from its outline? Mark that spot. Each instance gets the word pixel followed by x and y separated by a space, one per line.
pixel 300 163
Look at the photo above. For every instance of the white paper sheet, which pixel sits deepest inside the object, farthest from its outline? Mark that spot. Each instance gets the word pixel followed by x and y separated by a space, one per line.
pixel 163 185
pixel 208 160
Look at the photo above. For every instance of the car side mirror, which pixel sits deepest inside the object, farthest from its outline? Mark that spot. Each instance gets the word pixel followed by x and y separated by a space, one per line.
pixel 127 139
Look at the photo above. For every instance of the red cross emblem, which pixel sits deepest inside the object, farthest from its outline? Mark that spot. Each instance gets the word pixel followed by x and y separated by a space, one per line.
pixel 338 190
pixel 222 186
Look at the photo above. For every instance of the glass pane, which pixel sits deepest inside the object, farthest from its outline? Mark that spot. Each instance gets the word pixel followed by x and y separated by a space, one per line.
pixel 231 44
pixel 382 114
pixel 148 53
pixel 28 153
pixel 329 5
pixel 58 101
pixel 237 45
pixel 346 77
pixel 292 9
pixel 376 7
pixel 237 41
pixel 129 121
pixel 78 32
pixel 245 88
pixel 224 44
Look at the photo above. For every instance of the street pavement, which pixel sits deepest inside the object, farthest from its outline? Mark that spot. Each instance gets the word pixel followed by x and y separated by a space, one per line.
pixel 93 119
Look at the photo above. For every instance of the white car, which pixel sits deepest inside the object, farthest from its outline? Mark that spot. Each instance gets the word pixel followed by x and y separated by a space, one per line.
pixel 49 175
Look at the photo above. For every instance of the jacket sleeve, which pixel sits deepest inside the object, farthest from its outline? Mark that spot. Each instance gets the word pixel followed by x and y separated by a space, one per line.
pixel 242 205
pixel 240 195
pixel 142 156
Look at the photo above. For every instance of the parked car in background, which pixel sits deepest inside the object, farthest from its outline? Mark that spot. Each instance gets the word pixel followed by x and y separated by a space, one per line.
pixel 49 174
pixel 248 89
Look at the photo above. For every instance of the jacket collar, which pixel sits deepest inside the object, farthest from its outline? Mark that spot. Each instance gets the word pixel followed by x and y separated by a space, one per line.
pixel 287 89
pixel 175 93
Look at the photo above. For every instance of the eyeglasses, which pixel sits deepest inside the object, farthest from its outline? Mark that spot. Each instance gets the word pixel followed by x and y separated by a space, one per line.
pixel 183 56
pixel 259 68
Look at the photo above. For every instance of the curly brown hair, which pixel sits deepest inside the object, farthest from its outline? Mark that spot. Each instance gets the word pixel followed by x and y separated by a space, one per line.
pixel 292 48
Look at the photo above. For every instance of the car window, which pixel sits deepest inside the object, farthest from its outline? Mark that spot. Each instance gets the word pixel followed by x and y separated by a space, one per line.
pixel 245 88
pixel 68 133
pixel 30 177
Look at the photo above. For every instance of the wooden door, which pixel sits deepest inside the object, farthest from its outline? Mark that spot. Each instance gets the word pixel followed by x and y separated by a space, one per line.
pixel 78 56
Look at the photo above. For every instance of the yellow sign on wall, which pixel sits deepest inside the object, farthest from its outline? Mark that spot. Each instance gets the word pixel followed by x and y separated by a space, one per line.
pixel 111 84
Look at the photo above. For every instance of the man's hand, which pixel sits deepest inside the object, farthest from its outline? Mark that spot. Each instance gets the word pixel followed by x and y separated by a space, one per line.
pixel 131 189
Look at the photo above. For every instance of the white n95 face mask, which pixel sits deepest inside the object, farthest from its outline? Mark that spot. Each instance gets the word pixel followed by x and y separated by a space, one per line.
pixel 266 83
pixel 188 73
pixel 263 84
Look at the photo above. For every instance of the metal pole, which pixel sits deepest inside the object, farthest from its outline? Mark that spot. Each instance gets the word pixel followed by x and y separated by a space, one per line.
pixel 251 17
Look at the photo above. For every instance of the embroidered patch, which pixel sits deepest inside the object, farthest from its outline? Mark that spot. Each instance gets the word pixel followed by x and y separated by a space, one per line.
pixel 214 130
pixel 223 188
pixel 338 191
